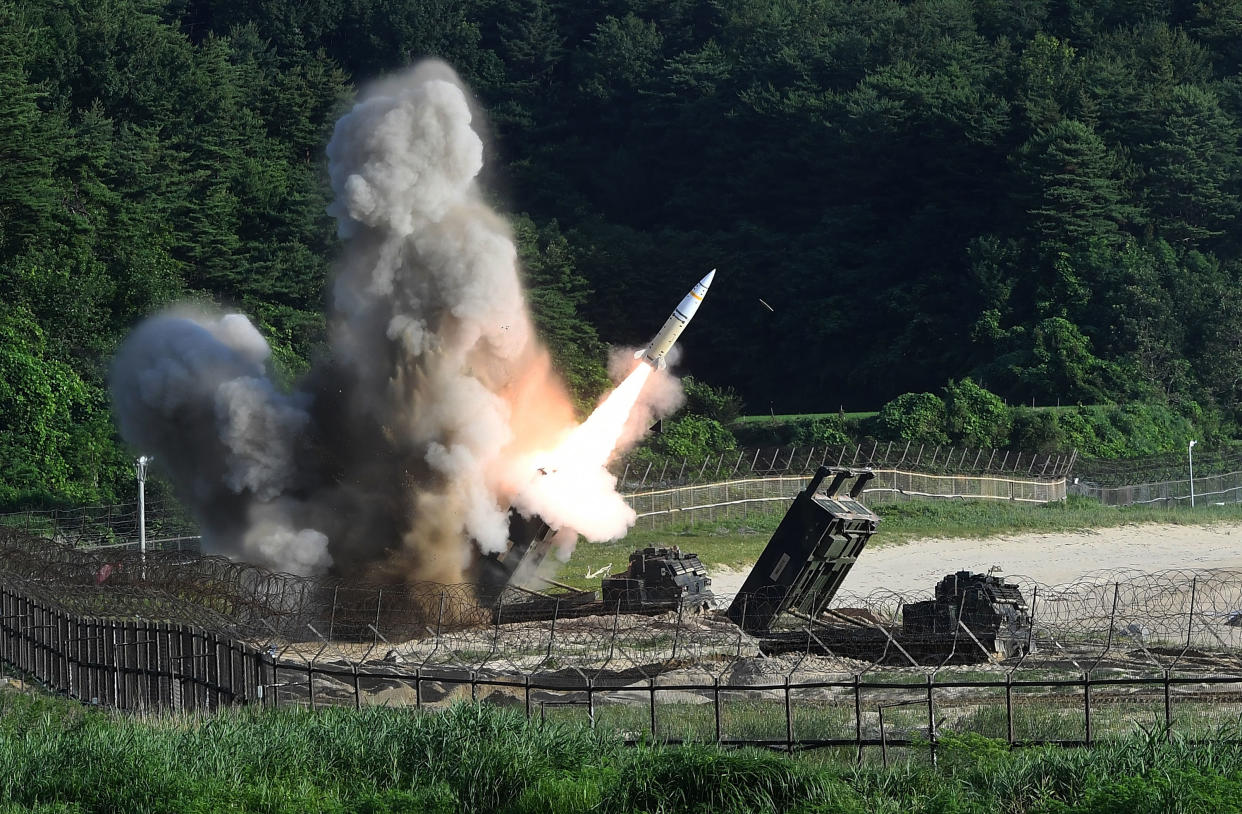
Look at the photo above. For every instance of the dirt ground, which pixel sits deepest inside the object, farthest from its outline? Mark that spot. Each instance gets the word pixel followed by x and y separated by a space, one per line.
pixel 1051 559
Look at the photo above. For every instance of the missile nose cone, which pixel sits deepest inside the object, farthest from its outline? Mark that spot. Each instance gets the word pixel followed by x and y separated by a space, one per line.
pixel 707 281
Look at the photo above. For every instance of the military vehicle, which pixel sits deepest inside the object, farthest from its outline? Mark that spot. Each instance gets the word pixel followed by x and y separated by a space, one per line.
pixel 659 578
pixel 991 610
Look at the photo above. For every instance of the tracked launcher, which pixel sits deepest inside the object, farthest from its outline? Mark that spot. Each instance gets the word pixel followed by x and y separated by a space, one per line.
pixel 974 617
pixel 658 579
pixel 813 549
pixel 785 601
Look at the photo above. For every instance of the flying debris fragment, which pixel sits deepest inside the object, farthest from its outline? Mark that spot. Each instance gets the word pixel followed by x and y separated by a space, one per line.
pixel 655 352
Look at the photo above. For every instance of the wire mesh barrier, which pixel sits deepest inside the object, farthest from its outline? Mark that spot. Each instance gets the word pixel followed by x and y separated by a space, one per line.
pixel 741 498
pixel 171 631
pixel 1173 466
pixel 1220 488
pixel 731 486
pixel 639 474
pixel 168 525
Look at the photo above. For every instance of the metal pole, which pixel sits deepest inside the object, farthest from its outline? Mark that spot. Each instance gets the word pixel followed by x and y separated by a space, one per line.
pixel 1190 454
pixel 140 470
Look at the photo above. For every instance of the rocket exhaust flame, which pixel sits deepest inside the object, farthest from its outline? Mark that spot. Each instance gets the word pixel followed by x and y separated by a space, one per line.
pixel 574 490
pixel 592 442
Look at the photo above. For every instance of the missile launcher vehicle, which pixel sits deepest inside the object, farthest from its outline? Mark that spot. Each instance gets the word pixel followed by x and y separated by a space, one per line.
pixel 659 579
pixel 992 610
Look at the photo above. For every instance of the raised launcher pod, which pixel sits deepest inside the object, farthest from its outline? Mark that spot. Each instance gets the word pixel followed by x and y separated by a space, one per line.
pixel 992 610
pixel 809 555
pixel 659 578
pixel 530 539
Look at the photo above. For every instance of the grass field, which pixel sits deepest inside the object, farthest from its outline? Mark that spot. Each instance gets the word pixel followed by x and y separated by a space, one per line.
pixel 57 756
pixel 738 543
pixel 793 418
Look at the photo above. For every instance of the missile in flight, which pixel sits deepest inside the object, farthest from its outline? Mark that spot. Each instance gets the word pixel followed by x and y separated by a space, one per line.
pixel 655 352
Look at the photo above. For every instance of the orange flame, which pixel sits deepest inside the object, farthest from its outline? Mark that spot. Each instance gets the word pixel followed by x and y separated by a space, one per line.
pixel 591 443
pixel 573 489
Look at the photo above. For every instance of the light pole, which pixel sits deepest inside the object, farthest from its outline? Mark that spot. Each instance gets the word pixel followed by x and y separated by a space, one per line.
pixel 1190 454
pixel 140 470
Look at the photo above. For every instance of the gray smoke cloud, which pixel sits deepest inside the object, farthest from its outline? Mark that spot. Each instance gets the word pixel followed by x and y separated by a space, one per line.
pixel 416 432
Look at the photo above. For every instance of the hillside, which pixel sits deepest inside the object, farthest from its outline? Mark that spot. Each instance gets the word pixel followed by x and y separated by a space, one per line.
pixel 1040 196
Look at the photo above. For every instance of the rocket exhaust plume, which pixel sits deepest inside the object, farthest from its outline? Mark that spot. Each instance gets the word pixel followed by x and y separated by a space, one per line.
pixel 434 405
pixel 575 468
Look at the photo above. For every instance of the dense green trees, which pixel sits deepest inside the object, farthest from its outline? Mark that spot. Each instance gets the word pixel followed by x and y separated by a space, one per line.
pixel 1041 197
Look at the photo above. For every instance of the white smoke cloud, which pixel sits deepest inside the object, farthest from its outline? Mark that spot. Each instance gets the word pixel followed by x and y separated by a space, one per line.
pixel 424 422
pixel 402 158
pixel 272 539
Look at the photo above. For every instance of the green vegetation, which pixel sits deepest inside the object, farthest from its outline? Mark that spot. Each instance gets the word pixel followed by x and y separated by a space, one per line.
pixel 56 756
pixel 971 416
pixel 1035 199
pixel 737 542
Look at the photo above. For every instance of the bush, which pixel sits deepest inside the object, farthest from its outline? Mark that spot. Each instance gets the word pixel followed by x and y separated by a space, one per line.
pixel 722 404
pixel 1124 432
pixel 974 416
pixel 916 417
pixel 822 432
pixel 1036 431
pixel 694 437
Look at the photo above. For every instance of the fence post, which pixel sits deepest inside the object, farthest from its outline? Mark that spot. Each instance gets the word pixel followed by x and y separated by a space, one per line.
pixel 652 688
pixel 788 718
pixel 1168 706
pixel 116 658
pixel 681 607
pixel 716 704
pixel 1086 704
pixel 332 620
pixel 858 714
pixel 1009 708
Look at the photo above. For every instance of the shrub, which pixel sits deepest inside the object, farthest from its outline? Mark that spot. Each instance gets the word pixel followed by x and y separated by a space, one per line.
pixel 694 437
pixel 974 416
pixel 720 403
pixel 822 432
pixel 917 417
pixel 1036 430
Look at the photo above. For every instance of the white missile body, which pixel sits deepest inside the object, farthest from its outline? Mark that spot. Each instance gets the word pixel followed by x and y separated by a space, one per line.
pixel 654 353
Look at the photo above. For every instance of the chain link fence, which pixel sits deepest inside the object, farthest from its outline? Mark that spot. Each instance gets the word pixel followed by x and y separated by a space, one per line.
pixel 1105 655
pixel 636 474
pixel 665 492
pixel 1163 479
pixel 737 499
pixel 1219 489
pixel 168 525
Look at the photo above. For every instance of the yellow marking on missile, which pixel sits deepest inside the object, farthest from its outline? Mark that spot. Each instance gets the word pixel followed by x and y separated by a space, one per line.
pixel 698 297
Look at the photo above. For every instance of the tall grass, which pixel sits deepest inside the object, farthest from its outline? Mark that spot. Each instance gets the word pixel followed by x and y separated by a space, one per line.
pixel 59 757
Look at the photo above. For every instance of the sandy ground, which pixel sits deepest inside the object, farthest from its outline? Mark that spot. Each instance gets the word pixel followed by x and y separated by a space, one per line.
pixel 1052 559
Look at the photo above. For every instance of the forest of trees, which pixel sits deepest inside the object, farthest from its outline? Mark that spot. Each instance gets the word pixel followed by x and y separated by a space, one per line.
pixel 1041 195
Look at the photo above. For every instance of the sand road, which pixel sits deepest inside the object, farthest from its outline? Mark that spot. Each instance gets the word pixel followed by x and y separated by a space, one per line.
pixel 1052 559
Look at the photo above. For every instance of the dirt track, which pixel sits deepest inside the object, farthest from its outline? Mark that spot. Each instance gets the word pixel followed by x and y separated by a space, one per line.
pixel 1052 559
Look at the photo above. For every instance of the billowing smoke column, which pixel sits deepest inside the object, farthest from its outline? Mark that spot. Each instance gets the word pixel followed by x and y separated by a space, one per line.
pixel 434 408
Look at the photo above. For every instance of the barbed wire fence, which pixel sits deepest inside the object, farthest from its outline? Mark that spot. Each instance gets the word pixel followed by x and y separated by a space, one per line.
pixel 176 631
pixel 667 491
pixel 742 483
pixel 640 473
